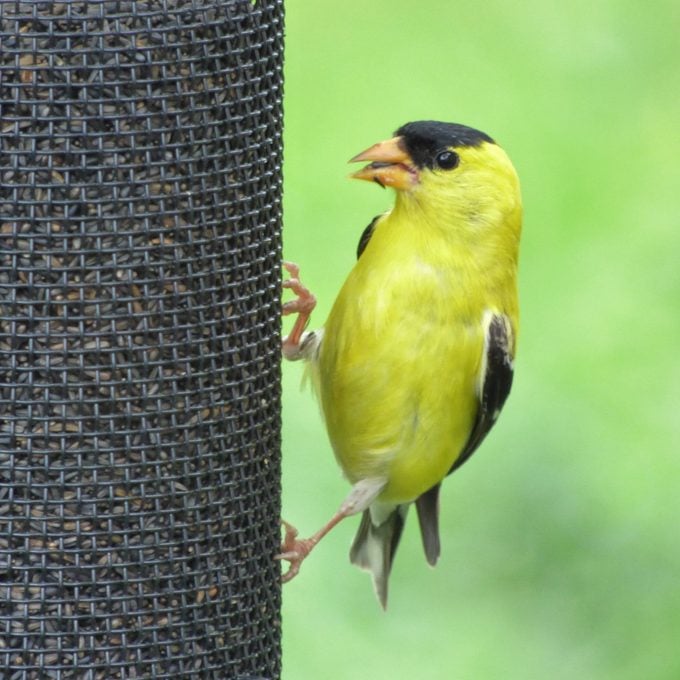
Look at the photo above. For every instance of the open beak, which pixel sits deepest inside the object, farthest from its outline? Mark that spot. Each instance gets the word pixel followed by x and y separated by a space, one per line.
pixel 391 165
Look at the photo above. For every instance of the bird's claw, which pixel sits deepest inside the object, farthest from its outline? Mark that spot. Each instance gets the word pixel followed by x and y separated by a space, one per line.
pixel 293 550
pixel 302 305
pixel 304 302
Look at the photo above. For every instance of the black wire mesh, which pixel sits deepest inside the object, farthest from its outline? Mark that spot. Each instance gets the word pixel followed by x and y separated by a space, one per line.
pixel 139 338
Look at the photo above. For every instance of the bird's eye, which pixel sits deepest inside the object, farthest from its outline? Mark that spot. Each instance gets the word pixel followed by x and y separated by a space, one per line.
pixel 447 160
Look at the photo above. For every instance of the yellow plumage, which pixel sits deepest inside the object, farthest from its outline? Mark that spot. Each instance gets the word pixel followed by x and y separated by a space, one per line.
pixel 401 363
pixel 402 347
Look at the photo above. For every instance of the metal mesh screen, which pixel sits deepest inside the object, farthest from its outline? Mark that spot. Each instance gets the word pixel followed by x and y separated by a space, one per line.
pixel 139 338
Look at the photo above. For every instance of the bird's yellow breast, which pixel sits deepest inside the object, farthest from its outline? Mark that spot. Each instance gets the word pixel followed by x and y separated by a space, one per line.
pixel 399 361
pixel 399 365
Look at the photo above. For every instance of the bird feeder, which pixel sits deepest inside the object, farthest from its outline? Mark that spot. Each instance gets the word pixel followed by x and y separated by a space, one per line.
pixel 140 217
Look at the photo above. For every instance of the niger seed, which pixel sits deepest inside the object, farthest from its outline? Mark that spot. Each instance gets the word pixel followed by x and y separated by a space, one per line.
pixel 139 341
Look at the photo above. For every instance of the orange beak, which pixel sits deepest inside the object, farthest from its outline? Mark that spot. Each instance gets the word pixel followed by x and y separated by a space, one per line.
pixel 391 165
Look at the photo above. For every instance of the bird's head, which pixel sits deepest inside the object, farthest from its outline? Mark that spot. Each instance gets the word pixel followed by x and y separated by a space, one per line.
pixel 448 170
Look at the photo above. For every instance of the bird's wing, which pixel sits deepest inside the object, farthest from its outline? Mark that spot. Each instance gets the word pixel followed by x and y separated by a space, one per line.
pixel 366 235
pixel 493 389
pixel 494 384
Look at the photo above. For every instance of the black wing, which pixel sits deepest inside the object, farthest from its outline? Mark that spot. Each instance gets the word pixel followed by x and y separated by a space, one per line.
pixel 497 381
pixel 366 236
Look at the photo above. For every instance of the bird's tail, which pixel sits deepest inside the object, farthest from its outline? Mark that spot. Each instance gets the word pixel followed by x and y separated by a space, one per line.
pixel 375 544
pixel 427 506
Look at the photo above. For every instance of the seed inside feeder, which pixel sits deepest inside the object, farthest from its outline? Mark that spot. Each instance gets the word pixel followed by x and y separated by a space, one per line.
pixel 139 316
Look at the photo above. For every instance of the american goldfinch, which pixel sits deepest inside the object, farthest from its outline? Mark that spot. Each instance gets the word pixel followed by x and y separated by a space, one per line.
pixel 415 361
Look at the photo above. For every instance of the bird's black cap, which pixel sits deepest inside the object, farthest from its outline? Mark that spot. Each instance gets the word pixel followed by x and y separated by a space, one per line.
pixel 424 139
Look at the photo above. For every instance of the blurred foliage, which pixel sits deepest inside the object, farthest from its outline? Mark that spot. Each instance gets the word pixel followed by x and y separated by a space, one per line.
pixel 561 545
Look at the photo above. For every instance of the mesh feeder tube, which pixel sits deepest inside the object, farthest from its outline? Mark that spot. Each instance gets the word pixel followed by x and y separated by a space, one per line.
pixel 140 215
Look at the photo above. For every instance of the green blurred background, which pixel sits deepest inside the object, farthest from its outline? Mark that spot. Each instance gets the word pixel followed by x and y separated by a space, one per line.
pixel 561 539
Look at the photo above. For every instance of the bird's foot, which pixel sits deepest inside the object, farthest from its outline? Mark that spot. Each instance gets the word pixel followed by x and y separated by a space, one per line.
pixel 302 305
pixel 294 550
pixel 305 302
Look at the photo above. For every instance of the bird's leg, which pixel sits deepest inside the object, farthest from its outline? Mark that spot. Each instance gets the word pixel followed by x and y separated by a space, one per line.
pixel 294 550
pixel 294 345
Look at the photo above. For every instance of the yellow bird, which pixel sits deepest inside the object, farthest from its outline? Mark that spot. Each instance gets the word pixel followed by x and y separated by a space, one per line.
pixel 415 361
